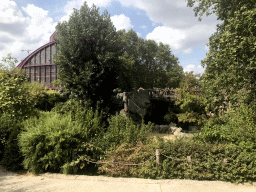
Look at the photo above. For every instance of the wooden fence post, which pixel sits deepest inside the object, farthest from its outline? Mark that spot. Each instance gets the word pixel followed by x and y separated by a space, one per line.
pixel 157 157
pixel 74 158
pixel 189 161
pixel 113 167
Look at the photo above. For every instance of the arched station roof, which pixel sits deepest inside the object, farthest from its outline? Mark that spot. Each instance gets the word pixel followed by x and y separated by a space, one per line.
pixel 39 65
pixel 52 41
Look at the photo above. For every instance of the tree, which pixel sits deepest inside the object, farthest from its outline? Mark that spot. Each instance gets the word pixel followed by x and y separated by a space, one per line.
pixel 231 62
pixel 147 64
pixel 190 97
pixel 223 9
pixel 8 63
pixel 87 55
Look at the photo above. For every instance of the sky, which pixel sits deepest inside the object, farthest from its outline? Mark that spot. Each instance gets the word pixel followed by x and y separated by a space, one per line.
pixel 28 25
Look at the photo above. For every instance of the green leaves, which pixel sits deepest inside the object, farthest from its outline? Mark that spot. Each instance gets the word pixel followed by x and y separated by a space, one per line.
pixel 147 64
pixel 87 55
pixel 190 97
pixel 229 75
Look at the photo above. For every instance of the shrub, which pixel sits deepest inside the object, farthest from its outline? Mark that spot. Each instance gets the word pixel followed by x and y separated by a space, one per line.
pixel 207 161
pixel 122 129
pixel 12 157
pixel 47 143
pixel 128 153
pixel 48 100
pixel 237 127
pixel 17 100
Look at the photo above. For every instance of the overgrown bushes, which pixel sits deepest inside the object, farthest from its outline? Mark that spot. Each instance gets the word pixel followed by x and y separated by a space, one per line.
pixel 207 161
pixel 224 150
pixel 48 100
pixel 237 127
pixel 122 129
pixel 17 100
pixel 47 143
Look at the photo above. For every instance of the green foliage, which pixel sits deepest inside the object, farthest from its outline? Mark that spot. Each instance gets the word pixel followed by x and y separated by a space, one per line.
pixel 223 9
pixel 122 129
pixel 12 157
pixel 17 96
pixel 87 56
pixel 191 100
pixel 230 64
pixel 236 127
pixel 17 101
pixel 8 63
pixel 48 100
pixel 207 161
pixel 48 143
pixel 147 64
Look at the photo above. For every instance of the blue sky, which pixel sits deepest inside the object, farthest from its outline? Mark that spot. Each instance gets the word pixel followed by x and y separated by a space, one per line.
pixel 28 25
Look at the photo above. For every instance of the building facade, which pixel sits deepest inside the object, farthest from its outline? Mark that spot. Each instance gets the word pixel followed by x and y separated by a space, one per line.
pixel 39 65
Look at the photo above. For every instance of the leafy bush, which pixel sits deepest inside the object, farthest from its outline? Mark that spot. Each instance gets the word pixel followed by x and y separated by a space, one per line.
pixel 128 153
pixel 17 100
pixel 48 143
pixel 48 100
pixel 207 161
pixel 12 157
pixel 236 127
pixel 122 129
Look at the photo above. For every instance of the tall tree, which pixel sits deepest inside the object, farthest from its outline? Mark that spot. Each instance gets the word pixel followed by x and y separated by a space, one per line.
pixel 223 9
pixel 148 64
pixel 87 55
pixel 231 62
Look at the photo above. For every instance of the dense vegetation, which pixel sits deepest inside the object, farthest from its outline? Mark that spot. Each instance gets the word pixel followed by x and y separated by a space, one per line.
pixel 41 131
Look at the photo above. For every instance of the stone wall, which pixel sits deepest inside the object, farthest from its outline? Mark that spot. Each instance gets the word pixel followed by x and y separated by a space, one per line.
pixel 136 102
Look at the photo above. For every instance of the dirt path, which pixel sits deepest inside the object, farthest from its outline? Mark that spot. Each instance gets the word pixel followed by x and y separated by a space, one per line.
pixel 13 182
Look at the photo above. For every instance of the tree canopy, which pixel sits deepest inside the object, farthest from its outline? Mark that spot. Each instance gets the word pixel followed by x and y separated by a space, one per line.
pixel 223 9
pixel 147 64
pixel 87 54
pixel 231 61
pixel 94 59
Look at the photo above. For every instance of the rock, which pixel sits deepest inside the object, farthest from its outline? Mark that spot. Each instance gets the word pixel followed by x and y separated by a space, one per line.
pixel 172 124
pixel 178 131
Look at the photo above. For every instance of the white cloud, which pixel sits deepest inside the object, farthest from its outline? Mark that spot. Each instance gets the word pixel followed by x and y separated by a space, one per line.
pixel 23 32
pixel 197 69
pixel 9 14
pixel 143 27
pixel 40 25
pixel 139 34
pixel 181 39
pixel 188 51
pixel 176 17
pixel 121 22
pixel 68 9
pixel 173 37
